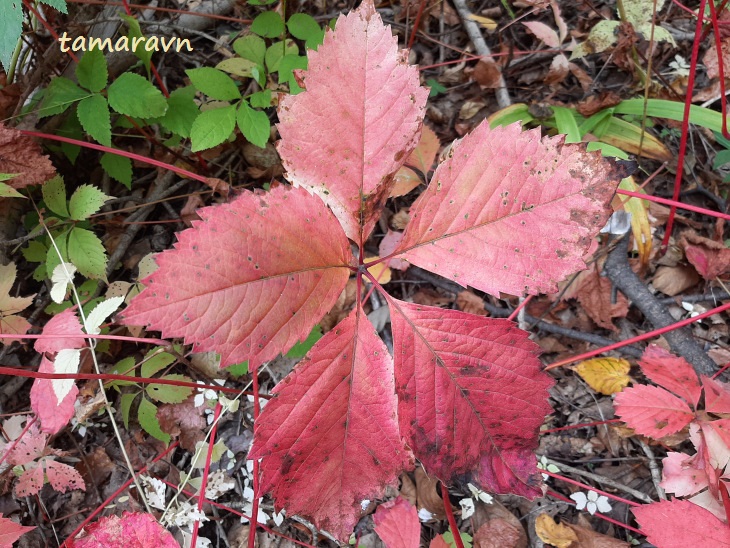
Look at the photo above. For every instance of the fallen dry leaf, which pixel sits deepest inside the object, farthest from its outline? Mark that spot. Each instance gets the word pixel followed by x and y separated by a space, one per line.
pixel 557 534
pixel 468 301
pixel 428 494
pixel 605 375
pixel 594 293
pixel 673 280
pixel 710 258
pixel 22 155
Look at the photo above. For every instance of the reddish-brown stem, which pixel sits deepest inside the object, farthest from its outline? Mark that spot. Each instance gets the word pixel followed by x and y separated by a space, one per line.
pixel 206 471
pixel 142 7
pixel 450 516
pixel 255 472
pixel 581 425
pixel 639 338
pixel 417 23
pixel 673 203
pixel 114 495
pixel 597 514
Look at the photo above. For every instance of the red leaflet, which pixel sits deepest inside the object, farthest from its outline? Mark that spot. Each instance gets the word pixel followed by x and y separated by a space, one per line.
pixel 671 372
pixel 330 438
pixel 359 119
pixel 251 279
pixel 652 411
pixel 509 212
pixel 132 530
pixel 11 531
pixel 397 524
pixel 679 523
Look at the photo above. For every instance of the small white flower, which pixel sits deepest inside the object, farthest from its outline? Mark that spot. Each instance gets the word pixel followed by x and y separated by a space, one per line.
pixel 424 515
pixel 592 502
pixel 364 504
pixel 543 464
pixel 679 66
pixel 467 508
pixel 477 493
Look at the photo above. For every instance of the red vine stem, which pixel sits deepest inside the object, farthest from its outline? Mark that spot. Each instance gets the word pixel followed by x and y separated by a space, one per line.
pixel 114 495
pixel 85 336
pixel 673 204
pixel 417 23
pixel 585 486
pixel 48 27
pixel 450 516
pixel 520 306
pixel 142 7
pixel 597 514
pixel 206 471
pixel 639 338
pixel 255 472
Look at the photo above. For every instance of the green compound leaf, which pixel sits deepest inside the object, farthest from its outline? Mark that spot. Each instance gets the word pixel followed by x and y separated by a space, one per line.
pixel 94 116
pixel 11 25
pixel 155 361
pixel 126 406
pixel 268 24
pixel 254 124
pixel 260 99
pixel 118 168
pixel 214 83
pixel 251 47
pixel 212 127
pixel 147 417
pixel 86 201
pixel 305 28
pixel 91 71
pixel 135 31
pixel 54 195
pixel 238 66
pixel 134 96
pixel 86 253
pixel 181 112
pixel 168 393
pixel 59 95
pixel 277 51
pixel 52 258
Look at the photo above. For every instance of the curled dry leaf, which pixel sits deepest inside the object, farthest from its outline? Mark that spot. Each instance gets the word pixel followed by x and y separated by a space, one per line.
pixel 21 155
pixel 557 534
pixel 710 258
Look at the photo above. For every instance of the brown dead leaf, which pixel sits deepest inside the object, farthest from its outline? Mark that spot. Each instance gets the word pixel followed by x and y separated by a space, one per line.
pixel 593 103
pixel 499 533
pixel 557 534
pixel 593 292
pixel 673 280
pixel 400 220
pixel 470 109
pixel 431 297
pixel 183 420
pixel 188 213
pixel 428 495
pixel 559 69
pixel 22 155
pixel 344 304
pixel 588 538
pixel 487 74
pixel 710 258
pixel 408 489
pixel 96 466
pixel 584 79
pixel 467 301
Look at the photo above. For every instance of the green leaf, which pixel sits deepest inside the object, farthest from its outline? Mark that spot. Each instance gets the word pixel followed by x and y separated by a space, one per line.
pixel 254 124
pixel 54 195
pixel 147 417
pixel 6 191
pixel 134 96
pixel 300 349
pixel 268 24
pixel 59 95
pixel 91 71
pixel 436 87
pixel 123 367
pixel 11 25
pixel 136 32
pixel 35 252
pixel 721 158
pixel 286 71
pixel 238 66
pixel 566 124
pixel 118 168
pixel 238 369
pixel 214 83
pixel 7 176
pixel 126 406
pixel 155 361
pixel 260 99
pixel 60 5
pixel 85 201
pixel 181 111
pixel 86 253
pixel 212 127
pixel 168 393
pixel 251 47
pixel 52 258
pixel 277 51
pixel 305 28
pixel 261 2
pixel 93 113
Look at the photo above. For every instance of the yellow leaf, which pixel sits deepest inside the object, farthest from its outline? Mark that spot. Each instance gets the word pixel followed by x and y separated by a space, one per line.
pixel 553 533
pixel 605 375
pixel 640 226
pixel 379 271
pixel 485 22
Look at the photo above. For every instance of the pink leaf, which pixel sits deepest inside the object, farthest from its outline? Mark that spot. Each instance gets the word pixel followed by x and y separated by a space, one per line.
pixel 672 373
pixel 31 482
pixel 29 447
pixel 717 396
pixel 65 323
pixel 251 279
pixel 63 477
pixel 360 117
pixel 132 530
pixel 439 542
pixel 53 414
pixel 330 438
pixel 652 411
pixel 471 393
pixel 397 524
pixel 682 474
pixel 11 531
pixel 679 524
pixel 509 212
pixel 544 33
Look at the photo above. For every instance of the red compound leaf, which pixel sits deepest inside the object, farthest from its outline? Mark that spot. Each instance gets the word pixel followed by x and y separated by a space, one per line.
pixel 63 477
pixel 679 523
pixel 672 373
pixel 510 212
pixel 132 530
pixel 397 524
pixel 330 438
pixel 251 279
pixel 11 531
pixel 652 411
pixel 471 395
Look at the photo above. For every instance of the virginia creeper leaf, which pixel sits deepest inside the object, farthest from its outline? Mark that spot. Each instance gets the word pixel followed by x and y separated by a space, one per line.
pixel 63 477
pixel 522 212
pixel 397 524
pixel 717 396
pixel 672 373
pixel 652 411
pixel 361 112
pixel 31 482
pixel 251 279
pixel 469 388
pixel 214 83
pixel 87 253
pixel 132 530
pixel 11 531
pixel 682 474
pixel 679 523
pixel 330 439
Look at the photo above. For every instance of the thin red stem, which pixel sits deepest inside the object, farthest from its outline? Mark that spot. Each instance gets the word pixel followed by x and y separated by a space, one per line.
pixel 581 425
pixel 590 488
pixel 520 306
pixel 85 336
pixel 417 23
pixel 639 338
pixel 450 516
pixel 206 472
